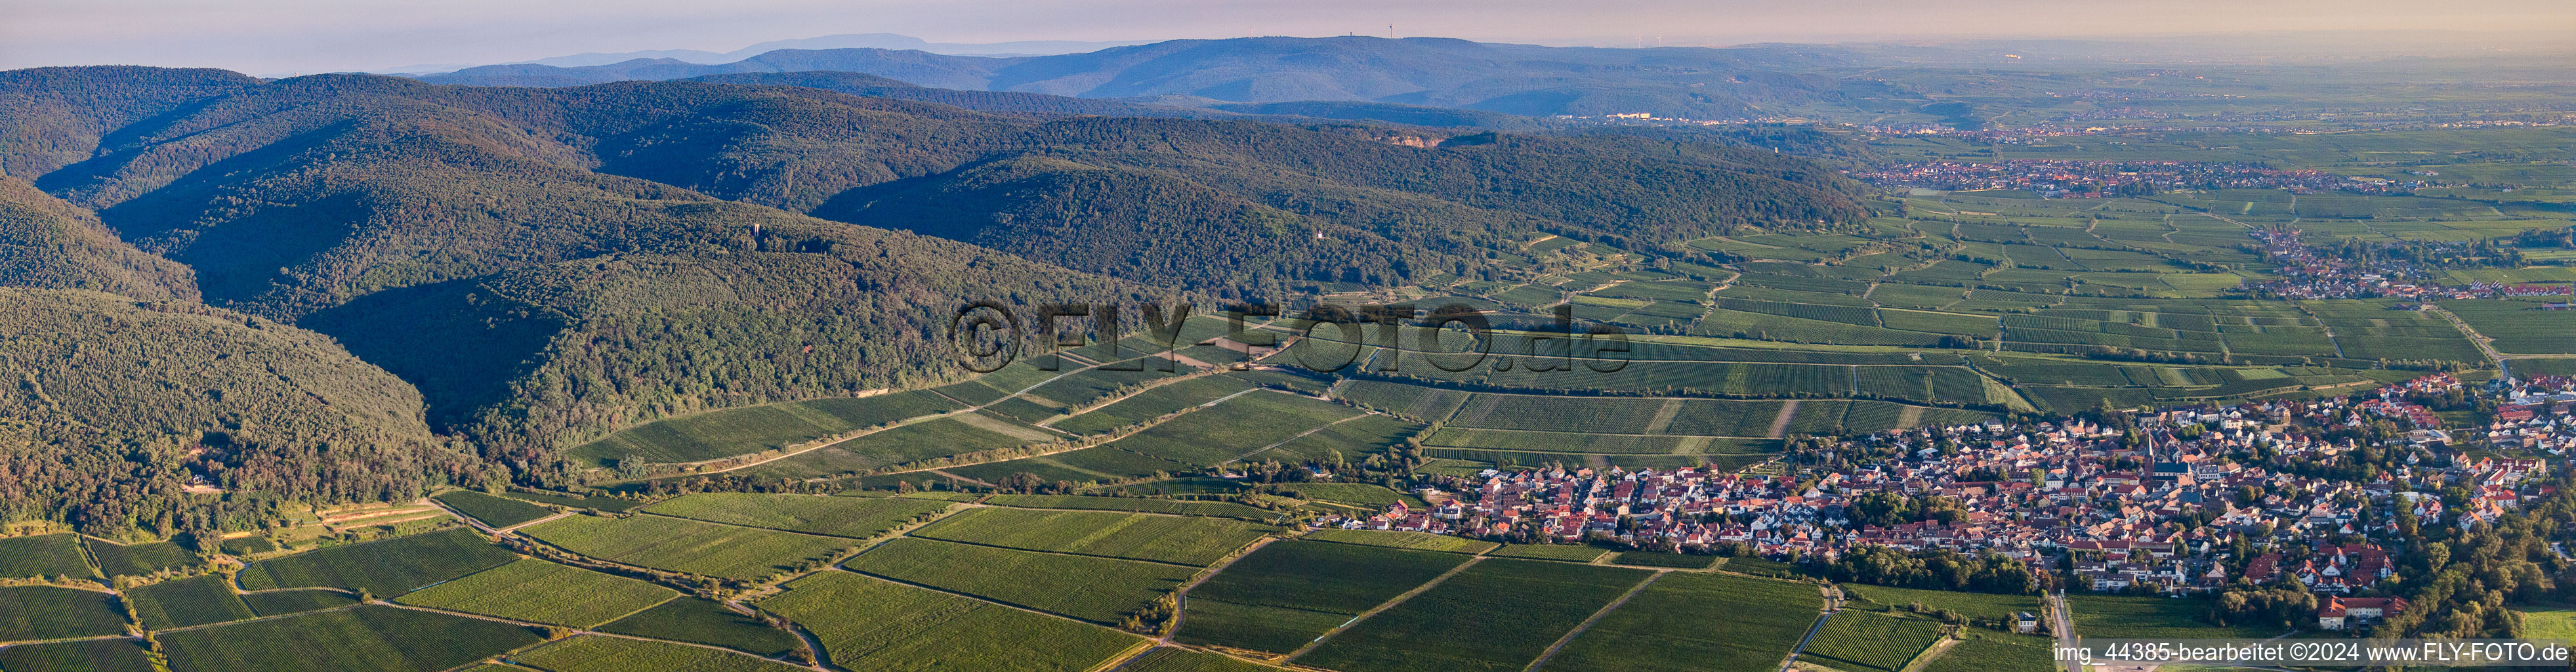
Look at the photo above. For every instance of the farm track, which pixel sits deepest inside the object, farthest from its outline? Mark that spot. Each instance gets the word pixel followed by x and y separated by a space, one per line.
pixel 1780 424
pixel 1588 622
pixel 1087 366
pixel 1389 604
pixel 1833 605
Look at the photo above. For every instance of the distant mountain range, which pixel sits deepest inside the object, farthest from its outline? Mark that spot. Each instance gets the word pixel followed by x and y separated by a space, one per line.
pixel 1432 72
pixel 846 41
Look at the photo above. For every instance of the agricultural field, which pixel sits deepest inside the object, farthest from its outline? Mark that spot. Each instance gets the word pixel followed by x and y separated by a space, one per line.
pixel 941 437
pixel 1101 590
pixel 1561 552
pixel 1168 659
pixel 1672 560
pixel 593 502
pixel 738 431
pixel 1277 598
pixel 116 559
pixel 538 591
pixel 385 568
pixel 29 613
pixel 853 517
pixel 1153 403
pixel 681 545
pixel 1974 605
pixel 702 621
pixel 496 511
pixel 871 624
pixel 1139 504
pixel 2549 623
pixel 1351 439
pixel 97 655
pixel 1495 615
pixel 2149 617
pixel 185 602
pixel 1697 623
pixel 1234 428
pixel 376 637
pixel 1414 541
pixel 1986 650
pixel 283 602
pixel 1862 641
pixel 2519 327
pixel 1363 494
pixel 595 653
pixel 1133 536
pixel 47 555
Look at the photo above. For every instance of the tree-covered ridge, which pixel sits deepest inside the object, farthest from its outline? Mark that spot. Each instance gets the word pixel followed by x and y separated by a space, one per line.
pixel 539 267
pixel 45 242
pixel 113 404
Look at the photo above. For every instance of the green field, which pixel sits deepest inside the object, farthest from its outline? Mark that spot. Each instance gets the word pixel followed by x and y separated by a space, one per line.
pixel 595 653
pixel 492 510
pixel 1140 504
pixel 29 613
pixel 853 517
pixel 1495 615
pixel 49 555
pixel 1697 623
pixel 681 545
pixel 139 559
pixel 1674 560
pixel 1153 403
pixel 386 568
pixel 869 624
pixel 1417 541
pixel 1169 659
pixel 390 639
pixel 1277 598
pixel 97 655
pixel 594 502
pixel 1135 536
pixel 1234 428
pixel 1101 590
pixel 1974 605
pixel 1563 552
pixel 1985 651
pixel 543 592
pixel 941 437
pixel 702 621
pixel 738 431
pixel 2149 617
pixel 185 602
pixel 1862 641
pixel 283 602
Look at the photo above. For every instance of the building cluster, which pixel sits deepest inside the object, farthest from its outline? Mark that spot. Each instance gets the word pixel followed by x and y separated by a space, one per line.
pixel 2306 272
pixel 2078 179
pixel 2160 506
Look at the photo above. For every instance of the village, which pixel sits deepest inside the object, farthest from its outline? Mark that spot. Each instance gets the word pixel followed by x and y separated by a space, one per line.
pixel 2092 179
pixel 2170 505
pixel 2307 273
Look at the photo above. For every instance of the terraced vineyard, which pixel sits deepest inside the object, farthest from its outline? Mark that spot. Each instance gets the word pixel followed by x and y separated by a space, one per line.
pixel 682 545
pixel 543 592
pixel 1100 590
pixel 1135 536
pixel 871 624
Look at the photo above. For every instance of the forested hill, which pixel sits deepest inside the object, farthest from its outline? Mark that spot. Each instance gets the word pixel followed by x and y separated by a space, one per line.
pixel 1706 83
pixel 541 266
pixel 113 405
pixel 45 242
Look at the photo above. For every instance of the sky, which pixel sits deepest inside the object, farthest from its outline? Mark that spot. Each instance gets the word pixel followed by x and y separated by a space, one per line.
pixel 277 37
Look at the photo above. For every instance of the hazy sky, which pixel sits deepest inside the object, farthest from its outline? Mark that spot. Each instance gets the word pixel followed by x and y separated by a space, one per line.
pixel 285 36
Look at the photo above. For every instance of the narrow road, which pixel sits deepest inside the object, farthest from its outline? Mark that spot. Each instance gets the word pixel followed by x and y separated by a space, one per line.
pixel 1833 605
pixel 2062 623
pixel 1588 622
